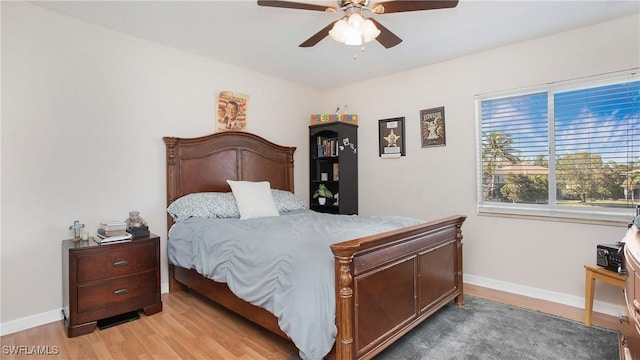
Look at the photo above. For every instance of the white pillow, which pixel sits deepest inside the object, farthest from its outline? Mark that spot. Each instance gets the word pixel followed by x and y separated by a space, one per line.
pixel 254 199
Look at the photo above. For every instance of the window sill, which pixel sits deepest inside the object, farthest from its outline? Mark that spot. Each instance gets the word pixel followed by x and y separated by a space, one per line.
pixel 579 217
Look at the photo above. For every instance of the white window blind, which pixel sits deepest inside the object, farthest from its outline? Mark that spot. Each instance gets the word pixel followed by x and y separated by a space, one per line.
pixel 566 150
pixel 514 139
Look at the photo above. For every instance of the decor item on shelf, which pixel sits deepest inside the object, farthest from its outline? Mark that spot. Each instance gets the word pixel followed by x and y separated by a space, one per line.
pixel 322 194
pixel 76 229
pixel 135 220
pixel 136 225
pixel 354 28
pixel 391 138
pixel 329 118
pixel 432 127
pixel 346 143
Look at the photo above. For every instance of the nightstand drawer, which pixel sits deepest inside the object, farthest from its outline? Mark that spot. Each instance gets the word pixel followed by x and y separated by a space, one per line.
pixel 113 292
pixel 116 261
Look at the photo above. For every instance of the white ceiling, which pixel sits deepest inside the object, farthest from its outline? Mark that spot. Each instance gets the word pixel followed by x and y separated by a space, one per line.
pixel 266 39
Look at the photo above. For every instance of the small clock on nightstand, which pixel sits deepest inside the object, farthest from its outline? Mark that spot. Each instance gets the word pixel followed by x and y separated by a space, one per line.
pixel 103 281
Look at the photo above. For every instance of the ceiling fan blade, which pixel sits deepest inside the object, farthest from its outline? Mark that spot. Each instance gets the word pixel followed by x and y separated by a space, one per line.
pixel 397 6
pixel 386 37
pixel 295 5
pixel 318 36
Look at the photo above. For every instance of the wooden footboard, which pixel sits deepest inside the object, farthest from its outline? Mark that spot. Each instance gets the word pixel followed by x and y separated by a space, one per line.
pixel 386 284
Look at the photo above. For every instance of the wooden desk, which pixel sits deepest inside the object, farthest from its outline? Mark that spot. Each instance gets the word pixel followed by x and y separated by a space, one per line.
pixel 598 273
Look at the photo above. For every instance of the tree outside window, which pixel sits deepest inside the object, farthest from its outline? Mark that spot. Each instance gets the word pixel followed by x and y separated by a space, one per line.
pixel 592 133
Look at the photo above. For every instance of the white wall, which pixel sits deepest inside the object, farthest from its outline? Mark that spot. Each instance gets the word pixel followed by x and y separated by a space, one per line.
pixel 84 110
pixel 537 258
pixel 83 116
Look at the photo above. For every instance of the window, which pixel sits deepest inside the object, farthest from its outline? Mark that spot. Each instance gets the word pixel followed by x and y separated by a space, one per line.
pixel 569 150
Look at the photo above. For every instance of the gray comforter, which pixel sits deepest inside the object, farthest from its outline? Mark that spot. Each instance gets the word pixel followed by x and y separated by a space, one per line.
pixel 281 263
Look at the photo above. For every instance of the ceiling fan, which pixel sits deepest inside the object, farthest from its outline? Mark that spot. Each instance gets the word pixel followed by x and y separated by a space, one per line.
pixel 353 28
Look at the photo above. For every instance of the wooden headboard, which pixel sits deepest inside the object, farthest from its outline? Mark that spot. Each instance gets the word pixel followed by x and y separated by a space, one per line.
pixel 206 163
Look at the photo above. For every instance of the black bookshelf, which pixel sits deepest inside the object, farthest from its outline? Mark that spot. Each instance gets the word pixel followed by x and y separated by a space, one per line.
pixel 334 163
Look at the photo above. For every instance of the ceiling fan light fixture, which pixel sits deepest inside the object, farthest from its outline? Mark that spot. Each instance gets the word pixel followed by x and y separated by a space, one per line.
pixel 354 30
pixel 339 30
pixel 369 31
pixel 355 20
pixel 353 37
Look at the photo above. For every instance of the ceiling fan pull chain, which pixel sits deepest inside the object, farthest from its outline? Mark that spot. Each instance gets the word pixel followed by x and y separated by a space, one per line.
pixel 355 55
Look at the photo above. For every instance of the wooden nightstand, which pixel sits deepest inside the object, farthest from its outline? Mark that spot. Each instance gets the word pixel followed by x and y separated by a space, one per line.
pixel 100 281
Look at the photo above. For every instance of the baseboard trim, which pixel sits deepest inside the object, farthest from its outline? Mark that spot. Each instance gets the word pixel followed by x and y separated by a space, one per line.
pixel 28 322
pixel 556 297
pixel 10 327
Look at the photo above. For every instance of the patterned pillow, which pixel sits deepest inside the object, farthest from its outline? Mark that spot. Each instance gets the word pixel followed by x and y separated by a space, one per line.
pixel 286 201
pixel 220 205
pixel 206 205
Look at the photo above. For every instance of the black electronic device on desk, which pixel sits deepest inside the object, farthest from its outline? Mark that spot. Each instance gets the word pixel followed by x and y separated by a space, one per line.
pixel 609 256
pixel 140 231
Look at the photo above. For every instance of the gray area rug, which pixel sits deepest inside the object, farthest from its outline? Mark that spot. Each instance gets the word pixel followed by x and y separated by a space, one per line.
pixel 485 329
pixel 488 330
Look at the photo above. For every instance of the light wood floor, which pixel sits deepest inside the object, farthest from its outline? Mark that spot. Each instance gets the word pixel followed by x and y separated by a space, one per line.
pixel 191 327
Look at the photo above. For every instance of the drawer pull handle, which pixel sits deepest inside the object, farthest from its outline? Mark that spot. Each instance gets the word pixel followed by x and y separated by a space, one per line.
pixel 120 292
pixel 121 263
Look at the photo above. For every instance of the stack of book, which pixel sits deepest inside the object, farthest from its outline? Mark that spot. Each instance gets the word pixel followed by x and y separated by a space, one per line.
pixel 112 231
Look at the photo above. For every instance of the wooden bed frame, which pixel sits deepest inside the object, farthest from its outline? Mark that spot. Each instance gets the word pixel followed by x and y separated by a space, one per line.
pixel 386 284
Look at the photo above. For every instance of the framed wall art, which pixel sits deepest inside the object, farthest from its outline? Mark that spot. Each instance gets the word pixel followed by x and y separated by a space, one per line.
pixel 232 111
pixel 432 127
pixel 391 137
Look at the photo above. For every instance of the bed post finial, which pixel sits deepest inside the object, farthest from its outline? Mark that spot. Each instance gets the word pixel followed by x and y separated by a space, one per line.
pixel 344 305
pixel 170 142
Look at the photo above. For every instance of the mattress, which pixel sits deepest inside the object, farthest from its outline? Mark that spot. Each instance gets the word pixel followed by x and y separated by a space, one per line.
pixel 281 263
